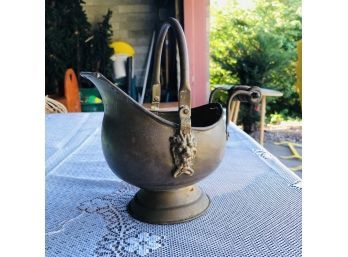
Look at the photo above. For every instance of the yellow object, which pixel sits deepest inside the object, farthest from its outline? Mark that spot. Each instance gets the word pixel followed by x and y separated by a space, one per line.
pixel 98 100
pixel 299 70
pixel 121 47
pixel 94 100
pixel 295 153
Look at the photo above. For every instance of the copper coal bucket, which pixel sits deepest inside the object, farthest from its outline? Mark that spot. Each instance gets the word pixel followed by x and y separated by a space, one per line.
pixel 163 152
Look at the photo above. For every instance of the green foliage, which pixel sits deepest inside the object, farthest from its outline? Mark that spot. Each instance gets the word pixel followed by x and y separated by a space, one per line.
pixel 257 47
pixel 99 52
pixel 66 32
pixel 66 28
pixel 276 118
pixel 220 97
pixel 249 117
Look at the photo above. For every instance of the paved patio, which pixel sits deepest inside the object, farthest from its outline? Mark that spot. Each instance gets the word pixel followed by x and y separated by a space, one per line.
pixel 288 132
pixel 283 150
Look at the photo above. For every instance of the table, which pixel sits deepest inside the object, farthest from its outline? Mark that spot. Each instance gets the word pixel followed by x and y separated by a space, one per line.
pixel 255 202
pixel 265 92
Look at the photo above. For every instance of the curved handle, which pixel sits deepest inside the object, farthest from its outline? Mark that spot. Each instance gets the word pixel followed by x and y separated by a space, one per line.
pixel 185 90
pixel 182 143
pixel 251 94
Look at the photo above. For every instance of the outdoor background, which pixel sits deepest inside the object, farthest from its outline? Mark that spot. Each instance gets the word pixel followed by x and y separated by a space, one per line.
pixel 259 43
pixel 251 42
pixel 256 43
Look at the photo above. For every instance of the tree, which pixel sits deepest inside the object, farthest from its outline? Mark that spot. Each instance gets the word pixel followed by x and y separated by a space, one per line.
pixel 66 28
pixel 99 52
pixel 67 43
pixel 258 47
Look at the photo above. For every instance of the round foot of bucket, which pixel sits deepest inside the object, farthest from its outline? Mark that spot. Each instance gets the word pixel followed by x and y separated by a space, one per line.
pixel 168 207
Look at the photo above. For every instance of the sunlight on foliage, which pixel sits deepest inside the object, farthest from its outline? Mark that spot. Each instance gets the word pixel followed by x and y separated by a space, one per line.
pixel 257 46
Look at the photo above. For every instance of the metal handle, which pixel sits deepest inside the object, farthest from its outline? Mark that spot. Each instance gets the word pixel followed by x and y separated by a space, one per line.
pixel 185 90
pixel 251 94
pixel 183 145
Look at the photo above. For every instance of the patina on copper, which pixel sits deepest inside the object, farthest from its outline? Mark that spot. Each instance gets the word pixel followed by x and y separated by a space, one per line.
pixel 162 152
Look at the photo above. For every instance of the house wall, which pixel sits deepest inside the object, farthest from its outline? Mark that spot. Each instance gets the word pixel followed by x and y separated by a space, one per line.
pixel 132 21
pixel 196 22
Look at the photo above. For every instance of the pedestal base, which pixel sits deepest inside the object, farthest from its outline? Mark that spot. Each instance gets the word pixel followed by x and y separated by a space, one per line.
pixel 168 207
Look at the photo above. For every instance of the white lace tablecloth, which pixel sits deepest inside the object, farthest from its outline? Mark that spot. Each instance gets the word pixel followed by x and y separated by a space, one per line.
pixel 255 202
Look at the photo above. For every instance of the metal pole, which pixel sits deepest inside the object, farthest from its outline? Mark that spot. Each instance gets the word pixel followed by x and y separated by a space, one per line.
pixel 262 122
pixel 141 100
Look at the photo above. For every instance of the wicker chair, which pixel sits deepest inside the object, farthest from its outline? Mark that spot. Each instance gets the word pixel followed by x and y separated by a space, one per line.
pixel 53 106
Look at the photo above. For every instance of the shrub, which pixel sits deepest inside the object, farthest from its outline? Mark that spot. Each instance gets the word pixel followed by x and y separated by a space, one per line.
pixel 257 47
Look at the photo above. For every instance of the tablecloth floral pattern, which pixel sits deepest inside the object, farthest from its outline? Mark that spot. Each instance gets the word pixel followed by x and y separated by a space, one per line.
pixel 255 202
